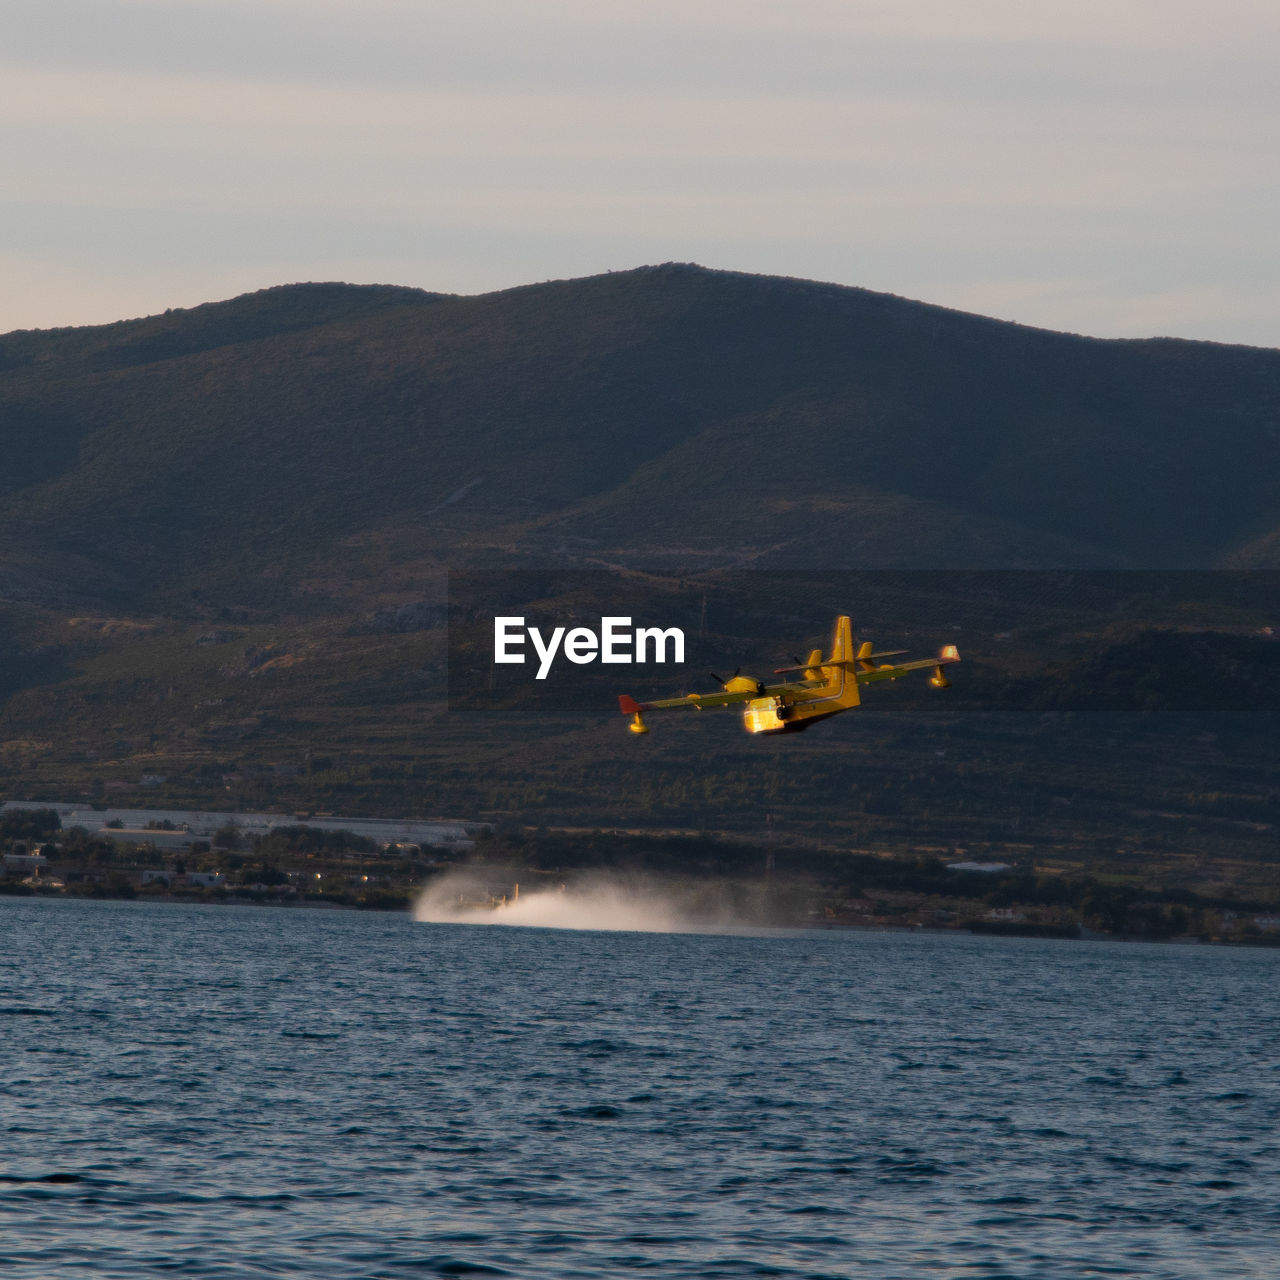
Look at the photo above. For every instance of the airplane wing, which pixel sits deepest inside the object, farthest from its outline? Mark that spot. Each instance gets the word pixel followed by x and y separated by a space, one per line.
pixel 947 654
pixel 696 700
pixel 699 701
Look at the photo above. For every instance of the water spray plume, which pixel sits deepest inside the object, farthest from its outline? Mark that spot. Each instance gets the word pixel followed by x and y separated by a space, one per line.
pixel 594 902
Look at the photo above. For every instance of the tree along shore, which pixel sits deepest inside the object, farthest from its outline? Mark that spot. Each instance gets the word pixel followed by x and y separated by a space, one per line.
pixel 775 884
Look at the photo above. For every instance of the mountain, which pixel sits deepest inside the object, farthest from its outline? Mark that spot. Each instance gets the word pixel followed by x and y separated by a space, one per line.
pixel 330 445
pixel 224 534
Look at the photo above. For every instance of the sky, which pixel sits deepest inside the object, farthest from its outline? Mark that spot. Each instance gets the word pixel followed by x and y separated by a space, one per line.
pixel 1108 167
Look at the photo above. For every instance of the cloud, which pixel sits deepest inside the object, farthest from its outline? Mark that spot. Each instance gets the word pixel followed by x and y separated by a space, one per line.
pixel 283 162
pixel 984 50
pixel 911 145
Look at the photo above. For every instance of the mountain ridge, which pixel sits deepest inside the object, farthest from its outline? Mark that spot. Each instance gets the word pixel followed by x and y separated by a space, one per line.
pixel 673 414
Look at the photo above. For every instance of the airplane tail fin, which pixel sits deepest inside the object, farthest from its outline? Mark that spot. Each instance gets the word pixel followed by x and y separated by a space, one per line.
pixel 813 667
pixel 843 680
pixel 842 642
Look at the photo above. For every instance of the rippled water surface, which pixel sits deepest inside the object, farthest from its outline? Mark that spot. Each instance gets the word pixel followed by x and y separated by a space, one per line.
pixel 261 1092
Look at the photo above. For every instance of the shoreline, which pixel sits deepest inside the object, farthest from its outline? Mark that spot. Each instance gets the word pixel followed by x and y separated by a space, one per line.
pixel 1260 943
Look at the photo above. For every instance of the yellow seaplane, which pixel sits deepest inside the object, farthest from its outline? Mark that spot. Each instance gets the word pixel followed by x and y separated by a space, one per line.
pixel 826 687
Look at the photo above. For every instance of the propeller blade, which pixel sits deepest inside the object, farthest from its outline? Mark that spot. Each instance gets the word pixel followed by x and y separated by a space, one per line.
pixel 718 679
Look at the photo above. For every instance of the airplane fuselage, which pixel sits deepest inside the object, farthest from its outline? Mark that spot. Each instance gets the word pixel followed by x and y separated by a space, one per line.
pixel 793 711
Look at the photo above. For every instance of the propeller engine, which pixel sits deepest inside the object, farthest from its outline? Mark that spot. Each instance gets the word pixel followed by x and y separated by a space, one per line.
pixel 738 683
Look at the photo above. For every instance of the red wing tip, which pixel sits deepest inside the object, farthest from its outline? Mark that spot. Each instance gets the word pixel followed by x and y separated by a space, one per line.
pixel 629 705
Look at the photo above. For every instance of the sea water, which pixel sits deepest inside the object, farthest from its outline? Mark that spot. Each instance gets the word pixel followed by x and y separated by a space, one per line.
pixel 245 1092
